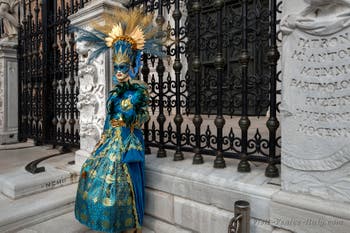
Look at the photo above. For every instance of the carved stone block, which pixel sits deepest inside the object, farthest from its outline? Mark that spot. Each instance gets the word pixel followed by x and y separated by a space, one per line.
pixel 94 78
pixel 316 101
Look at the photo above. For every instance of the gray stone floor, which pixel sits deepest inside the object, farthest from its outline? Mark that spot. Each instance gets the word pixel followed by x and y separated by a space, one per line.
pixel 50 211
pixel 63 224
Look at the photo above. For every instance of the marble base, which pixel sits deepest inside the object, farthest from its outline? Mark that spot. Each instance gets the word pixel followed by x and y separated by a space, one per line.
pixel 18 183
pixel 187 198
pixel 307 214
pixel 201 198
pixel 8 137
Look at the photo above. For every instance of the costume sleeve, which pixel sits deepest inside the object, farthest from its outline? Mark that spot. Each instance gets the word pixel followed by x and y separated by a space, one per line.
pixel 143 114
pixel 134 108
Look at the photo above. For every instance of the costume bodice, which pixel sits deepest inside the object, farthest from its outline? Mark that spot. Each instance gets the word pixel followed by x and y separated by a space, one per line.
pixel 128 102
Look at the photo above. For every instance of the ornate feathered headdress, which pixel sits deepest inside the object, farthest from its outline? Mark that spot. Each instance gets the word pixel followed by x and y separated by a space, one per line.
pixel 128 33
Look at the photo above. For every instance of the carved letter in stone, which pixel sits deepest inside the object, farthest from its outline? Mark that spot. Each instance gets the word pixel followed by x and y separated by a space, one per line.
pixel 9 14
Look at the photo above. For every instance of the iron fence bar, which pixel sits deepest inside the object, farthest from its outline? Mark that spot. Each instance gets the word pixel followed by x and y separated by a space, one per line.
pixel 196 67
pixel 54 83
pixel 160 70
pixel 20 69
pixel 177 68
pixel 219 121
pixel 272 123
pixel 25 76
pixel 145 72
pixel 45 71
pixel 33 111
pixel 36 69
pixel 63 82
pixel 72 7
pixel 72 83
pixel 244 121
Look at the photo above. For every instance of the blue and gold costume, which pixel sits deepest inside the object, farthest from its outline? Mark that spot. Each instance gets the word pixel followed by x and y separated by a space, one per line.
pixel 110 195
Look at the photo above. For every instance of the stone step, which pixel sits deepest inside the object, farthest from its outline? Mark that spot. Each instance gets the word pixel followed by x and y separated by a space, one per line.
pixel 65 223
pixel 14 184
pixel 35 208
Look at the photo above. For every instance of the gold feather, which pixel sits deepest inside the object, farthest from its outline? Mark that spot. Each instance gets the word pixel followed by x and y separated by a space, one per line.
pixel 138 36
pixel 127 25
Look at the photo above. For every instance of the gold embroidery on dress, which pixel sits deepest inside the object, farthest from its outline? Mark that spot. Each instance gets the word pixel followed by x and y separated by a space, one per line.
pixel 128 178
pixel 107 202
pixel 126 104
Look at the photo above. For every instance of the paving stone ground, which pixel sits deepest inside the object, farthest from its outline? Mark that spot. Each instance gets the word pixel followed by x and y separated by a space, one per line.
pixel 63 224
pixel 18 155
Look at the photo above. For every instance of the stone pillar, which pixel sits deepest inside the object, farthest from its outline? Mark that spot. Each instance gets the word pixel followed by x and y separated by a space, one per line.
pixel 315 118
pixel 8 92
pixel 316 100
pixel 95 80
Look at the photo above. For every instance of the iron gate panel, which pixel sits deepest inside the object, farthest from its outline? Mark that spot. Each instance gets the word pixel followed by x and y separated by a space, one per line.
pixel 235 52
pixel 258 68
pixel 223 63
pixel 48 64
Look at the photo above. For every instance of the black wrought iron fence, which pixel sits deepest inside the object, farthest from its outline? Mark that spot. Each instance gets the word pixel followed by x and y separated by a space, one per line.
pixel 48 64
pixel 216 92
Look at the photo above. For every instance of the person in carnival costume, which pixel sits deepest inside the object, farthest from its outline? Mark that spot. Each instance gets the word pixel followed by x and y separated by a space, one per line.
pixel 110 194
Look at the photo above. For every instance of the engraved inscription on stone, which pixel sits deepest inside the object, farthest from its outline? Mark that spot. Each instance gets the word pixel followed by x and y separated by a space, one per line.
pixel 316 100
pixel 54 183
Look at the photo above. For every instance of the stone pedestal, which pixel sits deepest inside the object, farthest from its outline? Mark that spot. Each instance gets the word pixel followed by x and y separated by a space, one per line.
pixel 315 118
pixel 316 101
pixel 8 93
pixel 95 80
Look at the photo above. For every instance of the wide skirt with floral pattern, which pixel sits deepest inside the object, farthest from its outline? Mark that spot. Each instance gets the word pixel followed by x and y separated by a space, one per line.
pixel 110 195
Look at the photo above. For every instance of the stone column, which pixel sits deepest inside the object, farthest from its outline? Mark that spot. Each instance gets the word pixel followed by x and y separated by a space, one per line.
pixel 315 118
pixel 95 80
pixel 316 100
pixel 8 92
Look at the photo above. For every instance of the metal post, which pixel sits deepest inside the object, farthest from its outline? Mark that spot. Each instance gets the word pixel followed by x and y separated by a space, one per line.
pixel 160 70
pixel 241 222
pixel 219 121
pixel 177 68
pixel 145 73
pixel 196 67
pixel 244 122
pixel 272 123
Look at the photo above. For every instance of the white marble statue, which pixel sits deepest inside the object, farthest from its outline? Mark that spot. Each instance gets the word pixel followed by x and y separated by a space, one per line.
pixel 320 17
pixel 9 14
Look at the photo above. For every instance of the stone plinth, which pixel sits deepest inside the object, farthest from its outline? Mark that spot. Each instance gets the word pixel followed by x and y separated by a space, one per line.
pixel 8 93
pixel 316 101
pixel 15 184
pixel 95 80
pixel 181 197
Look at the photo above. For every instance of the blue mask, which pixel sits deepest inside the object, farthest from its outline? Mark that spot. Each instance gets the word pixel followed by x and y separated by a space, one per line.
pixel 122 67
